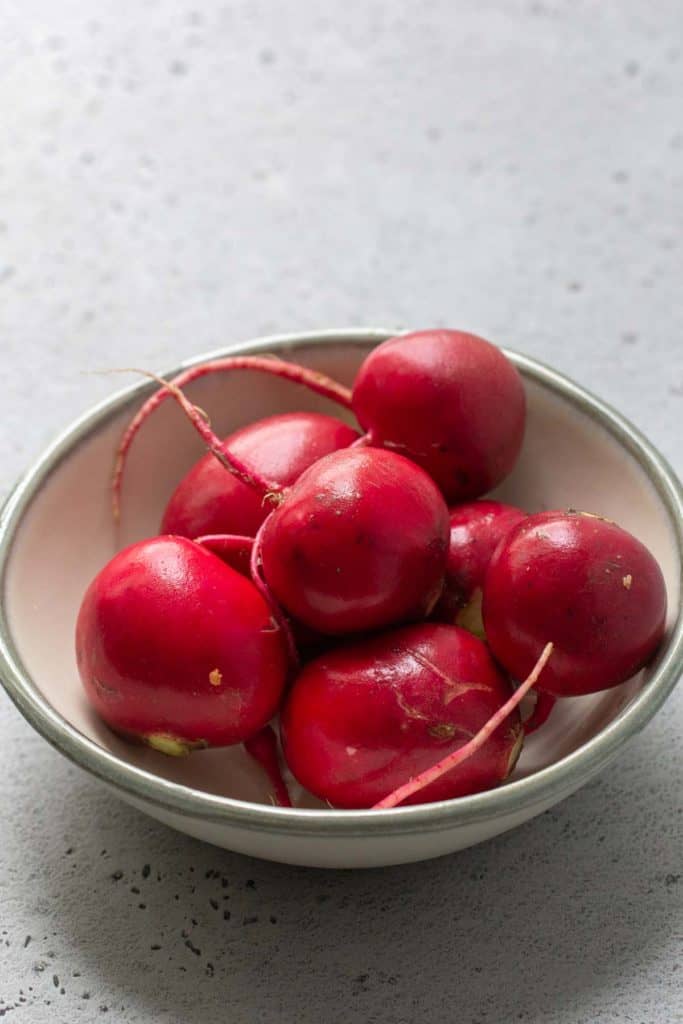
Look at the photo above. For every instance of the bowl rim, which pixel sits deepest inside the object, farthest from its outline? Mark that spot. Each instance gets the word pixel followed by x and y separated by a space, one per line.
pixel 542 788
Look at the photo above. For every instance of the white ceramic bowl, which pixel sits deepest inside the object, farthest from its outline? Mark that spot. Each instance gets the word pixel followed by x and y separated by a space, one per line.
pixel 56 532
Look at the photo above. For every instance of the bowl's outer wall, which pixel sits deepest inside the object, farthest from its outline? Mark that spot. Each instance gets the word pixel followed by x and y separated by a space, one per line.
pixel 569 459
pixel 353 851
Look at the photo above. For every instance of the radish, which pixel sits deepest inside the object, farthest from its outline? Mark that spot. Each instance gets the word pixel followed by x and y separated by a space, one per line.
pixel 177 649
pixel 210 501
pixel 450 401
pixel 363 720
pixel 583 582
pixel 358 543
pixel 476 530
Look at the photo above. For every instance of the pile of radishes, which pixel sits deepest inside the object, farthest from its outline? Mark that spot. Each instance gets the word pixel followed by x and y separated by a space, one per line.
pixel 350 588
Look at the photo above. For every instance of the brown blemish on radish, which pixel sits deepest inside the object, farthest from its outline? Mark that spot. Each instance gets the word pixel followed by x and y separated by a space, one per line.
pixel 443 731
pixel 106 691
pixel 215 677
pixel 627 581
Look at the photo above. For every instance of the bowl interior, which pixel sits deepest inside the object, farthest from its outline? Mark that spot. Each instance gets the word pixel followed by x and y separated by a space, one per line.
pixel 67 534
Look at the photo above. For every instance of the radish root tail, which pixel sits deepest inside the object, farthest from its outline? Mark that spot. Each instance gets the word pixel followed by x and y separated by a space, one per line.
pixel 263 748
pixel 197 418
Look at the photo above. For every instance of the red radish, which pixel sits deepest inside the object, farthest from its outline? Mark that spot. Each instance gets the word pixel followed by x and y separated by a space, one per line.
pixel 363 720
pixel 210 501
pixel 450 401
pixel 263 748
pixel 177 649
pixel 359 542
pixel 310 379
pixel 476 530
pixel 583 582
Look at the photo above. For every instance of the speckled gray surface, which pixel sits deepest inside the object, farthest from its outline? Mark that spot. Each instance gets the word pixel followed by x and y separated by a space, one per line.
pixel 174 176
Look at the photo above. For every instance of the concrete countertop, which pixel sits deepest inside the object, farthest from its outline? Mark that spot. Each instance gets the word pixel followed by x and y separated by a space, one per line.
pixel 178 175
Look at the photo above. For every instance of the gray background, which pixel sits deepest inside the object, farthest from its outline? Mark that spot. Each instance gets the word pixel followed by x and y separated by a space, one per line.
pixel 179 175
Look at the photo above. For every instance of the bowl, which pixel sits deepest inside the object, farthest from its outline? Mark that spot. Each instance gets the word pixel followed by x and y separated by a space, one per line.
pixel 56 532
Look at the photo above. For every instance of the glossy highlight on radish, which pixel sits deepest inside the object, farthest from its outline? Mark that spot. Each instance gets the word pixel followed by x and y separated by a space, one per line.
pixel 279 448
pixel 177 649
pixel 451 401
pixel 583 582
pixel 363 720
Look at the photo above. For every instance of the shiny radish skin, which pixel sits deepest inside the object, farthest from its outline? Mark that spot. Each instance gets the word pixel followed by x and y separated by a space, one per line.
pixel 176 648
pixel 477 528
pixel 583 582
pixel 210 501
pixel 361 721
pixel 451 401
pixel 359 543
